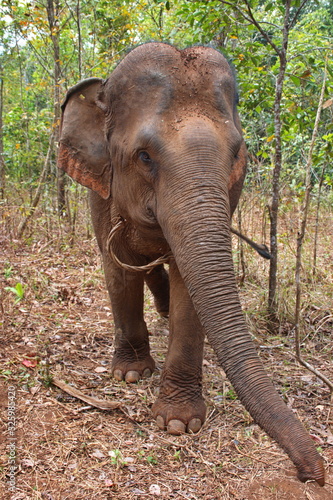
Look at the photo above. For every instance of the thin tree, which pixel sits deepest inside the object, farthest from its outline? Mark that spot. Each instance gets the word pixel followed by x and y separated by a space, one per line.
pixel 300 240
pixel 53 15
pixel 315 243
pixel 2 157
pixel 42 178
pixel 78 26
pixel 327 155
pixel 53 11
pixel 289 20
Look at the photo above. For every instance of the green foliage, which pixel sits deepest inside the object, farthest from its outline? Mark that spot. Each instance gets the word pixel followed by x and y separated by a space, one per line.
pixel 323 161
pixel 152 460
pixel 116 458
pixel 230 394
pixel 5 373
pixel 93 36
pixel 17 290
pixel 8 271
pixel 206 20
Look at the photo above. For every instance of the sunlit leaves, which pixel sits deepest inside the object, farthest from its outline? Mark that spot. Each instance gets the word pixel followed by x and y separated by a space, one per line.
pixel 95 34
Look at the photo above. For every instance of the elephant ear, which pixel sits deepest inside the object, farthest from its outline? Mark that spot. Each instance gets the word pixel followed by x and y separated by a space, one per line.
pixel 83 149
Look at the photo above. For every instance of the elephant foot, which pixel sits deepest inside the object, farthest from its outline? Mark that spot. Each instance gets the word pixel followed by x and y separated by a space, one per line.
pixel 181 416
pixel 132 370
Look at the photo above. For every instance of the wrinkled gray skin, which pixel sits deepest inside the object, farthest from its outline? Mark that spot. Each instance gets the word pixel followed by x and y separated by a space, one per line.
pixel 160 145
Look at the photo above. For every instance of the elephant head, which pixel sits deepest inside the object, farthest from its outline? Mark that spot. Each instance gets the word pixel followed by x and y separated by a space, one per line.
pixel 162 140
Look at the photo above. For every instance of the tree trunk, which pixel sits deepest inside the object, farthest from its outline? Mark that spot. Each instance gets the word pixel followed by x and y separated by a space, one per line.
pixel 274 208
pixel 53 13
pixel 288 22
pixel 42 179
pixel 315 243
pixel 78 24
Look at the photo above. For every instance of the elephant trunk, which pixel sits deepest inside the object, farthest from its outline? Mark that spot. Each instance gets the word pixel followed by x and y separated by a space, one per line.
pixel 198 231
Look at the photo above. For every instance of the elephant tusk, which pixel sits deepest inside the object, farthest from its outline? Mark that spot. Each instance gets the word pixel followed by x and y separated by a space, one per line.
pixel 147 267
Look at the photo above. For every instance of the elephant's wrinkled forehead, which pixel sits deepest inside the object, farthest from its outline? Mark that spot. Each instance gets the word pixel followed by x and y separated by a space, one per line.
pixel 160 77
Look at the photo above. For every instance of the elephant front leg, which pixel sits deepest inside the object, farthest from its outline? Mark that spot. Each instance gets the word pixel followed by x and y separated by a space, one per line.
pixel 131 360
pixel 180 406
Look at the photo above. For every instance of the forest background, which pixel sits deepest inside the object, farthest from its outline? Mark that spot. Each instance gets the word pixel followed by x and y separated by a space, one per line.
pixel 281 52
pixel 50 273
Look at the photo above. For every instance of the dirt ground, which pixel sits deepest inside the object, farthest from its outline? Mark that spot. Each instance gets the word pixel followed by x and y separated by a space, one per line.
pixel 65 449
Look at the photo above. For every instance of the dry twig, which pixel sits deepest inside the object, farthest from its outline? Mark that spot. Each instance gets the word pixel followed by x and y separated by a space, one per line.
pixel 97 403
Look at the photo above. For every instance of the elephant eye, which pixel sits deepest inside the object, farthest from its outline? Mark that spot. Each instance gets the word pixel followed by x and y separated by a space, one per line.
pixel 144 156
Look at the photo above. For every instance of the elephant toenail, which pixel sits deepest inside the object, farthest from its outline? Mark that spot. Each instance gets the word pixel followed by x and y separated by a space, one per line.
pixel 160 422
pixel 194 425
pixel 146 373
pixel 132 376
pixel 118 375
pixel 176 427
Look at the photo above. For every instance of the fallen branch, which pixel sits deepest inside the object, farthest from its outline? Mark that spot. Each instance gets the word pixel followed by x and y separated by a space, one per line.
pixel 110 405
pixel 97 403
pixel 315 371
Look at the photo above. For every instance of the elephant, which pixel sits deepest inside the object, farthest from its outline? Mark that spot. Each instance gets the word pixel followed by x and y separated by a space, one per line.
pixel 159 144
